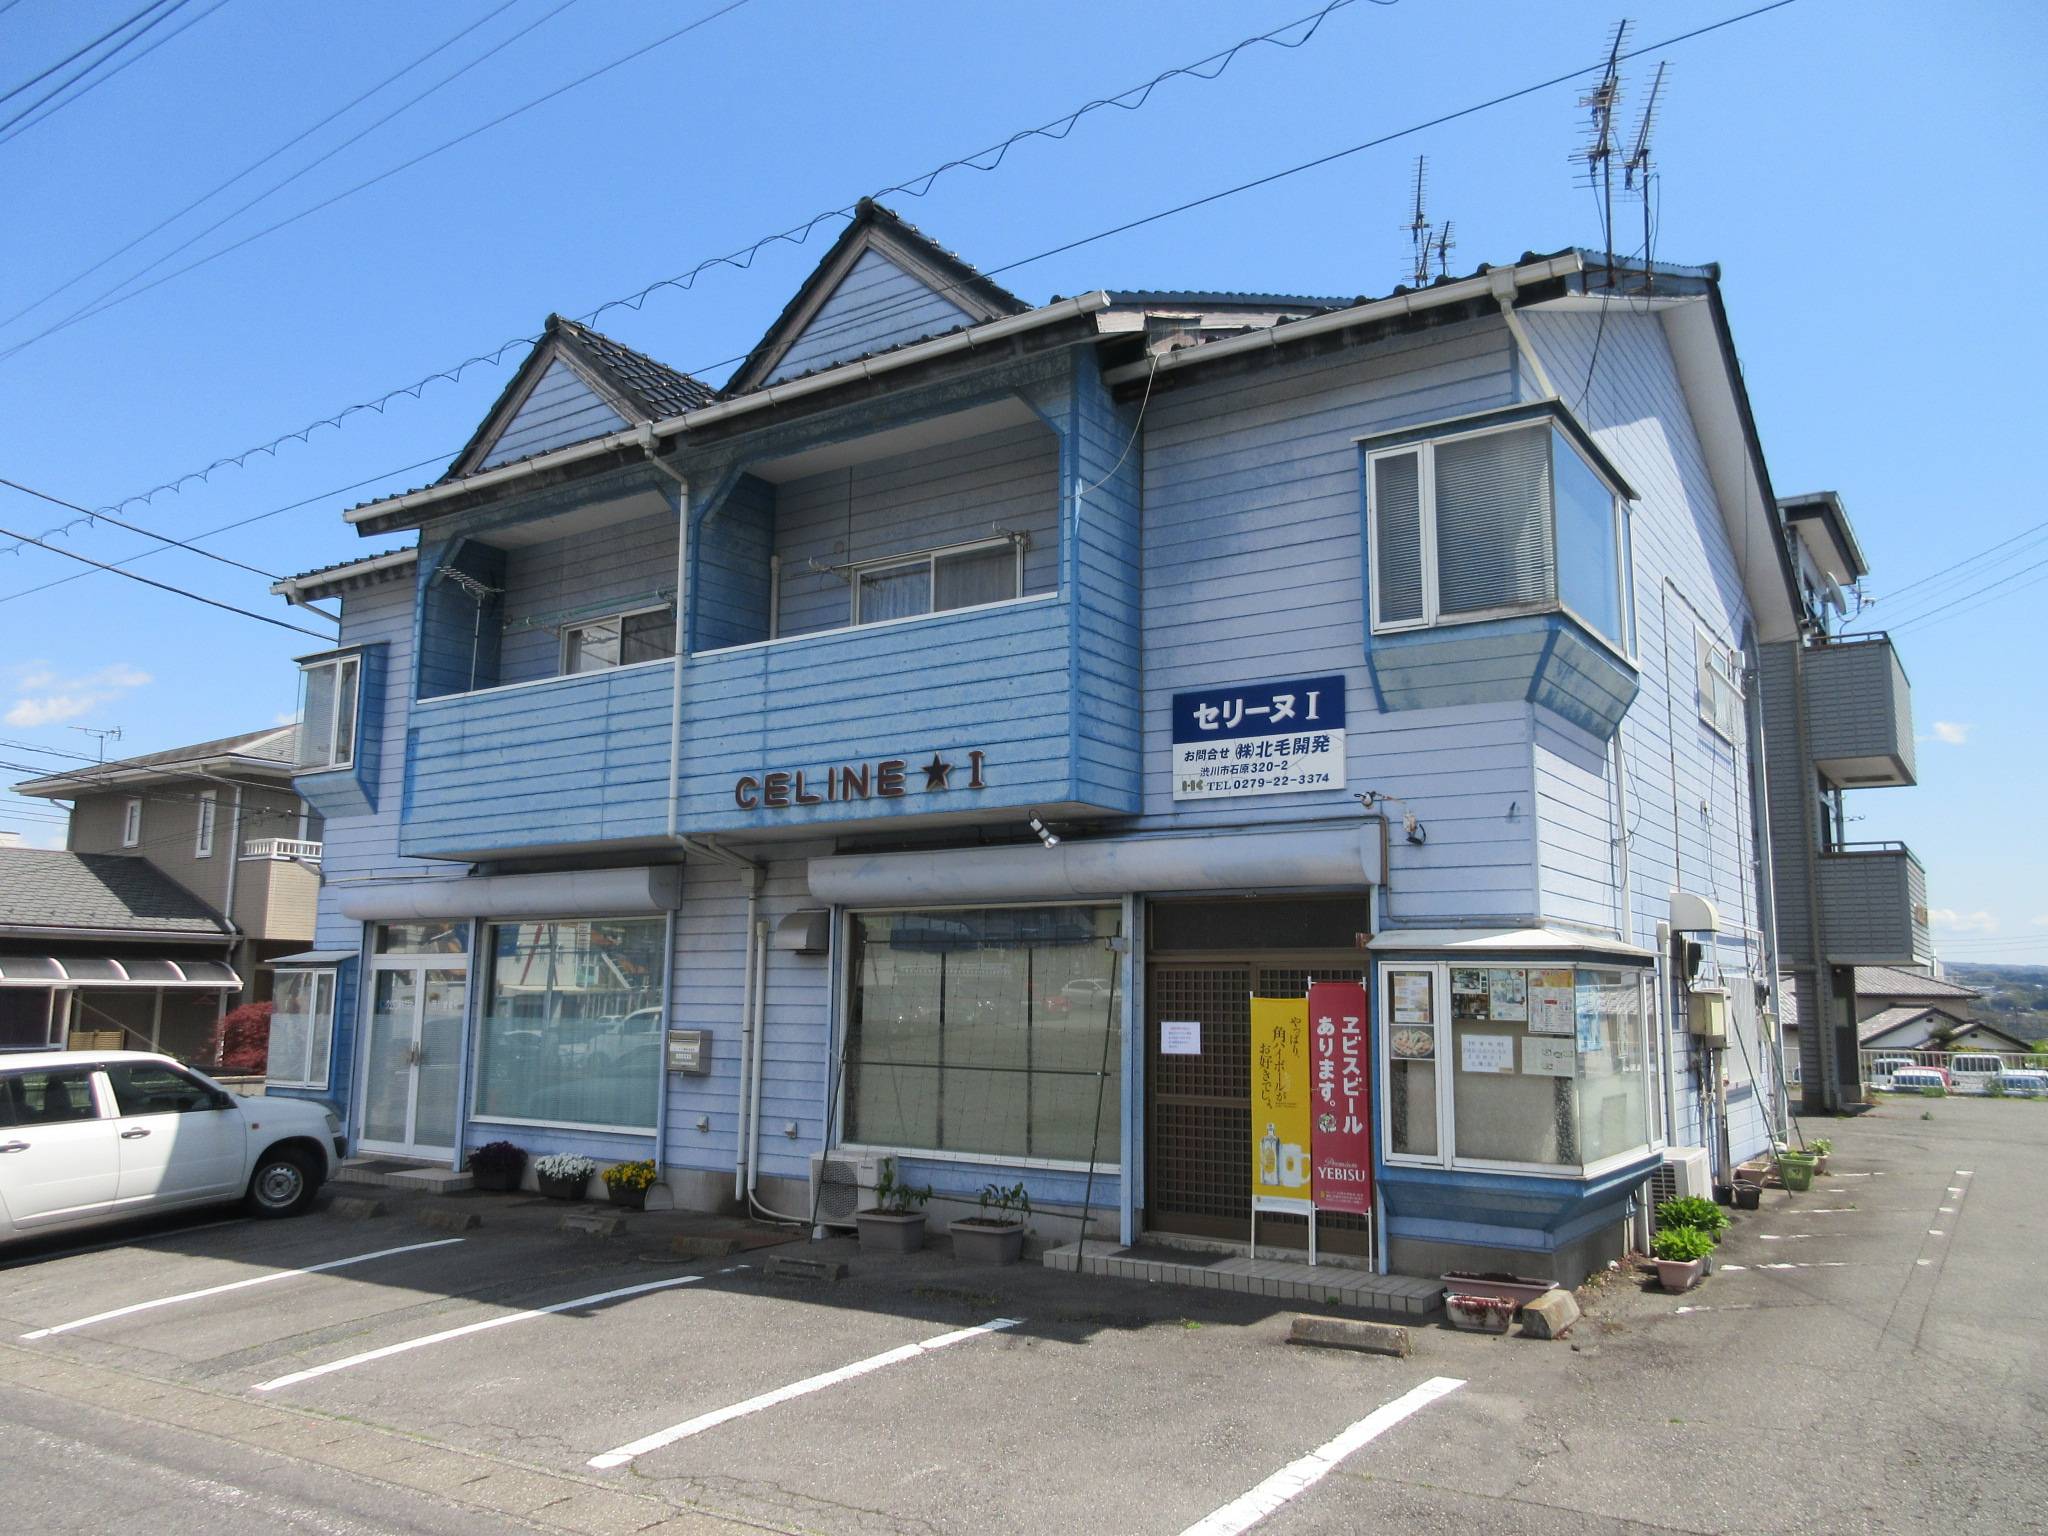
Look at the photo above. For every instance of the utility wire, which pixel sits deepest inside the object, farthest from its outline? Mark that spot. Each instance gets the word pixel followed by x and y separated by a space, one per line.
pixel 134 58
pixel 112 297
pixel 1936 577
pixel 257 164
pixel 917 186
pixel 70 58
pixel 744 258
pixel 59 89
pixel 59 501
pixel 1922 618
pixel 247 613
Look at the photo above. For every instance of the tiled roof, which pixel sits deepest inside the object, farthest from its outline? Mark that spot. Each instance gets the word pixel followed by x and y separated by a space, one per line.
pixel 663 390
pixel 343 565
pixel 42 888
pixel 1893 1018
pixel 1198 297
pixel 1891 981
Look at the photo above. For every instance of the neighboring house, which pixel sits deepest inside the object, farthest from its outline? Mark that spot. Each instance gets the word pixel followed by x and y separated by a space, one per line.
pixel 1882 987
pixel 926 745
pixel 108 945
pixel 1838 716
pixel 221 820
pixel 1923 1028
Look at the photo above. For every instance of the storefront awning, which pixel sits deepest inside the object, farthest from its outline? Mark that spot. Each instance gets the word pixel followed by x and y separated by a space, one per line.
pixel 105 971
pixel 565 893
pixel 1500 941
pixel 308 958
pixel 1276 859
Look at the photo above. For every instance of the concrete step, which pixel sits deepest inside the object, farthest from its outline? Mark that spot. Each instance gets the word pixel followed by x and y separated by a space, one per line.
pixel 395 1173
pixel 1320 1285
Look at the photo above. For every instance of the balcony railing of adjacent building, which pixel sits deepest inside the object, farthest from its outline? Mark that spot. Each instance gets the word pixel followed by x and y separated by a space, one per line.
pixel 293 848
pixel 1859 712
pixel 1874 900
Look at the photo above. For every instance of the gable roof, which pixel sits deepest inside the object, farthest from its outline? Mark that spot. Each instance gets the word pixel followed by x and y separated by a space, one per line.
pixel 272 751
pixel 876 230
pixel 49 891
pixel 1937 1021
pixel 1891 981
pixel 632 385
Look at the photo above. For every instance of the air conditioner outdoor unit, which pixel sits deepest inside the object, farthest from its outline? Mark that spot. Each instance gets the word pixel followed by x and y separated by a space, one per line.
pixel 1683 1172
pixel 841 1184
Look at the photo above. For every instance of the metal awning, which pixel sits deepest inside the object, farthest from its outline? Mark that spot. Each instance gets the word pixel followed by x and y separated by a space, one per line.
pixel 309 957
pixel 106 971
pixel 1493 941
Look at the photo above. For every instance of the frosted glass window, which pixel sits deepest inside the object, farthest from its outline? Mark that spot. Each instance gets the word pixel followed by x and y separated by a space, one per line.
pixel 895 592
pixel 975 577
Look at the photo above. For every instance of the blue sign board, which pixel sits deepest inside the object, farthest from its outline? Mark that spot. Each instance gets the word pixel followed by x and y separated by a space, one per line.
pixel 1259 739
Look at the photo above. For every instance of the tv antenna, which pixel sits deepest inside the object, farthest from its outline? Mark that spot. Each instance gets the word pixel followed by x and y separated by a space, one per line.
pixel 1636 170
pixel 1444 246
pixel 1419 231
pixel 113 733
pixel 1598 155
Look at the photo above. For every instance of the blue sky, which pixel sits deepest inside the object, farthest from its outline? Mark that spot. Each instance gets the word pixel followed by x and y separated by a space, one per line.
pixel 1857 169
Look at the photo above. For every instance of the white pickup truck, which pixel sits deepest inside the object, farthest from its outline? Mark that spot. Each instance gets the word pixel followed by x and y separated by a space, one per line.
pixel 92 1136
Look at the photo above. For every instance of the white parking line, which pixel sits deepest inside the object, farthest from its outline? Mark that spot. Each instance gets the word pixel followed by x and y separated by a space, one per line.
pixel 1297 1477
pixel 295 1377
pixel 235 1285
pixel 795 1389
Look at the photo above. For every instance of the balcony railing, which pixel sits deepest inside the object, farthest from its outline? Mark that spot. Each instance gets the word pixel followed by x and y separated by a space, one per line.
pixel 293 848
pixel 1874 904
pixel 1859 712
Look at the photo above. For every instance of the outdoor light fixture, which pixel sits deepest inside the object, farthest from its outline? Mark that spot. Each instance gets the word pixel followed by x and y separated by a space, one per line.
pixel 1045 836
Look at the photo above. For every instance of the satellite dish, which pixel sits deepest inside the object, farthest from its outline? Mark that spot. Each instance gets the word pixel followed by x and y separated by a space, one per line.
pixel 1837 600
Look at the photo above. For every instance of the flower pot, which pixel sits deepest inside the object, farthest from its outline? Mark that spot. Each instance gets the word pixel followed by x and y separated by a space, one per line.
pixel 1480 1314
pixel 628 1199
pixel 1797 1172
pixel 1748 1196
pixel 498 1180
pixel 1519 1289
pixel 1677 1275
pixel 987 1242
pixel 558 1187
pixel 1820 1162
pixel 887 1232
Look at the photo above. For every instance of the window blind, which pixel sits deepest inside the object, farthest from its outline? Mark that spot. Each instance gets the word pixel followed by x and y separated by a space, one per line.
pixel 1397 537
pixel 1492 522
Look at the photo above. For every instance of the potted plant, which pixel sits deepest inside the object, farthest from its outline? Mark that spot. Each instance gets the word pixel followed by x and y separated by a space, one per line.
pixel 1749 1195
pixel 1692 1211
pixel 996 1236
pixel 497 1165
pixel 1796 1170
pixel 628 1183
pixel 1519 1289
pixel 1680 1253
pixel 894 1224
pixel 1480 1314
pixel 563 1175
pixel 1820 1147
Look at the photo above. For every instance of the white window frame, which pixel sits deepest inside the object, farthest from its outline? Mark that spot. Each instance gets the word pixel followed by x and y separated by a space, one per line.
pixel 131 824
pixel 619 618
pixel 1432 617
pixel 313 1074
pixel 1446 1112
pixel 202 838
pixel 353 660
pixel 1715 665
pixel 930 558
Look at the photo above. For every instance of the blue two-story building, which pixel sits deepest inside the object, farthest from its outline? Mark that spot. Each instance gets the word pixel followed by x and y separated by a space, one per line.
pixel 868 758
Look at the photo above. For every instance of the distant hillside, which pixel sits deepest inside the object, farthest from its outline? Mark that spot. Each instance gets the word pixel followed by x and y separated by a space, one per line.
pixel 2015 996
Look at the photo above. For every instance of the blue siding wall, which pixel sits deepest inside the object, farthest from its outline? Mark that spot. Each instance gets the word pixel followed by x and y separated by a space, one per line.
pixel 952 494
pixel 1104 462
pixel 1253 559
pixel 729 552
pixel 459 646
pixel 876 305
pixel 630 564
pixel 561 409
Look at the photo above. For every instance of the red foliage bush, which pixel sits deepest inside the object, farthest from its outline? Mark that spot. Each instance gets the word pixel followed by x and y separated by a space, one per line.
pixel 245 1040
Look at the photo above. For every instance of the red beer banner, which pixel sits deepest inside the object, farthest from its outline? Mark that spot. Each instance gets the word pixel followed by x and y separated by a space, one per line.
pixel 1340 1135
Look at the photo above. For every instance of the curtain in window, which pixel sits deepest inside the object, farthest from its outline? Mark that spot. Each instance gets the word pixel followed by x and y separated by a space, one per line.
pixel 1492 521
pixel 1397 536
pixel 1588 564
pixel 647 636
pixel 572 1017
pixel 895 593
pixel 982 576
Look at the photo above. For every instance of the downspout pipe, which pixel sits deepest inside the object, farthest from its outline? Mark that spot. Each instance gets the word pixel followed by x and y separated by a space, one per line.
pixel 1505 291
pixel 739 1140
pixel 234 869
pixel 649 446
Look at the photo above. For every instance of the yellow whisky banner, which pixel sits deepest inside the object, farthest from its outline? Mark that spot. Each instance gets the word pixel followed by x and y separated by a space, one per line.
pixel 1280 1104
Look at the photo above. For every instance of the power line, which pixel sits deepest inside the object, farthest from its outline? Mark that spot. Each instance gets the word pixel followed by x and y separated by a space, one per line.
pixel 113 298
pixel 1059 128
pixel 31 116
pixel 1936 577
pixel 1967 597
pixel 71 80
pixel 258 164
pixel 240 522
pixel 70 58
pixel 134 58
pixel 91 516
pixel 247 613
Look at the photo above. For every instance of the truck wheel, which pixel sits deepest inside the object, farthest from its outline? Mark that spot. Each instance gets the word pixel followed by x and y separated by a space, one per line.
pixel 282 1185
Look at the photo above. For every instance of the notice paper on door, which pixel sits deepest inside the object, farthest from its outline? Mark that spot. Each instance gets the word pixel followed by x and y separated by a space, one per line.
pixel 1487 1053
pixel 1543 1056
pixel 1180 1037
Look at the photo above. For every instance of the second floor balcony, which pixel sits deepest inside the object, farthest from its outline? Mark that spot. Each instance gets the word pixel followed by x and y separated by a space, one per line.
pixel 1874 904
pixel 1859 712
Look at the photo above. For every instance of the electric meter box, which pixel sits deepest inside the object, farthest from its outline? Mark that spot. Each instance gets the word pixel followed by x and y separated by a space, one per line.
pixel 1706 1015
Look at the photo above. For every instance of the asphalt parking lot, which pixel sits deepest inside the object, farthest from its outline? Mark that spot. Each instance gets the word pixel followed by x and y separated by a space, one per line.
pixel 1868 1357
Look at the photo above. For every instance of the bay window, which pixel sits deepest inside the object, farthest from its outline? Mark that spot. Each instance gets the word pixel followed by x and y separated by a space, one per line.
pixel 1532 1068
pixel 327 712
pixel 571 1024
pixel 985 1032
pixel 1496 520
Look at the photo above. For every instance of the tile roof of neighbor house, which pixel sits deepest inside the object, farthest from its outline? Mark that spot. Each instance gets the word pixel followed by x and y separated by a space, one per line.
pixel 43 888
pixel 1895 1018
pixel 1891 981
pixel 277 744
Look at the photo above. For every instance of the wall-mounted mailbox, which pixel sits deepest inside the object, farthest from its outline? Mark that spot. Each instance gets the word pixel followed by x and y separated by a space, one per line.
pixel 689 1050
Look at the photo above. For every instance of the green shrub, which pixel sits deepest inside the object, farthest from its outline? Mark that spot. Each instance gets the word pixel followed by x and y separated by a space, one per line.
pixel 1820 1146
pixel 1683 1244
pixel 1934 1091
pixel 1692 1211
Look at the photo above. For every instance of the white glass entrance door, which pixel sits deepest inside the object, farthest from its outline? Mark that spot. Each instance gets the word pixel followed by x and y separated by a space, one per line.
pixel 412 1058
